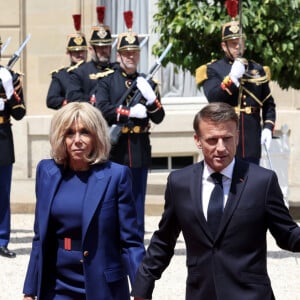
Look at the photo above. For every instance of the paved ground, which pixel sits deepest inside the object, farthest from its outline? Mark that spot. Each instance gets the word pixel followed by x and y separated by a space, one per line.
pixel 284 267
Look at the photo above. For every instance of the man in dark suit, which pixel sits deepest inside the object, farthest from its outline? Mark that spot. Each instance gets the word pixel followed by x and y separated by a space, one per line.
pixel 226 260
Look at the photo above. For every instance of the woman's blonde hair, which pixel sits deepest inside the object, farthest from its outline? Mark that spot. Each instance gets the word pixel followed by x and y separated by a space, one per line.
pixel 91 119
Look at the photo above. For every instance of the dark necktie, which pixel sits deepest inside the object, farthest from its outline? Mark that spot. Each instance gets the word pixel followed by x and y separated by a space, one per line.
pixel 215 206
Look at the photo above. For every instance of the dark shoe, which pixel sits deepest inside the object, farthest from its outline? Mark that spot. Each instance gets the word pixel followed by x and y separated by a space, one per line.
pixel 7 253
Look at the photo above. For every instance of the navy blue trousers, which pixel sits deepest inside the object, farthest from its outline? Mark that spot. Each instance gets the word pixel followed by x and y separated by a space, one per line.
pixel 139 187
pixel 5 187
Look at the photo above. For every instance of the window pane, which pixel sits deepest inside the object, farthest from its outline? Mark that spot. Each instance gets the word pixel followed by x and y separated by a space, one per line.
pixel 181 161
pixel 159 163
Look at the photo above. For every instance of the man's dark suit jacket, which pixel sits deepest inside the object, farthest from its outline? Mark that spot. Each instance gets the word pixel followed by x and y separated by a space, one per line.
pixel 232 266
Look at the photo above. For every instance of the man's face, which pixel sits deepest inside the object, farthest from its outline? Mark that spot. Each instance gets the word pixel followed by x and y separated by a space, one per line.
pixel 234 48
pixel 218 141
pixel 101 53
pixel 129 60
pixel 77 56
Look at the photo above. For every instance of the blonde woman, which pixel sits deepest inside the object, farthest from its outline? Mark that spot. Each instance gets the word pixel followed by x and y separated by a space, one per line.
pixel 86 240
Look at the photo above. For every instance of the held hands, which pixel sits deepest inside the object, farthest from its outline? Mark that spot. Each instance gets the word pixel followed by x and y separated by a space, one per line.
pixel 146 90
pixel 266 137
pixel 138 111
pixel 237 71
pixel 7 82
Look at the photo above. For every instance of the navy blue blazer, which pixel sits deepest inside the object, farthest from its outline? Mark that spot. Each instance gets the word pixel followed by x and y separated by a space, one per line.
pixel 233 265
pixel 111 247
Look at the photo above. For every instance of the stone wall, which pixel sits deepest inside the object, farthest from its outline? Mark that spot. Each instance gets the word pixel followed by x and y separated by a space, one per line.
pixel 49 22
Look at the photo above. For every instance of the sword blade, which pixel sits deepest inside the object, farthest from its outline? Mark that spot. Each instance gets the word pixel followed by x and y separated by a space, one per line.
pixel 5 45
pixel 18 52
pixel 268 156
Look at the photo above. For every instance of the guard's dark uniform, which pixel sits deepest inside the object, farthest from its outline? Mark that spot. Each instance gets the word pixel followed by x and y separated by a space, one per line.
pixel 252 100
pixel 84 78
pixel 133 148
pixel 15 108
pixel 256 102
pixel 60 80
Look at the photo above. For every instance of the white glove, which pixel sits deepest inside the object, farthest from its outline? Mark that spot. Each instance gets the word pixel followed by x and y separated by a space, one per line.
pixel 266 137
pixel 7 82
pixel 237 71
pixel 2 104
pixel 146 90
pixel 138 111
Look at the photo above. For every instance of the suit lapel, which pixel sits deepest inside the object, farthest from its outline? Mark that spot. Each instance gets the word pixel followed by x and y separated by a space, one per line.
pixel 239 180
pixel 48 188
pixel 196 194
pixel 96 188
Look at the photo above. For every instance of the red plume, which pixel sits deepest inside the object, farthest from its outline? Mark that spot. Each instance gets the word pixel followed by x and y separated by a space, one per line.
pixel 77 21
pixel 100 13
pixel 232 7
pixel 128 17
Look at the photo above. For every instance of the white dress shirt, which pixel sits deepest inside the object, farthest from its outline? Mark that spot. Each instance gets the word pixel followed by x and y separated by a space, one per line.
pixel 208 184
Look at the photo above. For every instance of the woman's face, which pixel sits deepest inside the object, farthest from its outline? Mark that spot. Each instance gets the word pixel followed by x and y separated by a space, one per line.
pixel 79 146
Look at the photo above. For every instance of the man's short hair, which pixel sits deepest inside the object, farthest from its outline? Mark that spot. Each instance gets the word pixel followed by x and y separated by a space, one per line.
pixel 216 112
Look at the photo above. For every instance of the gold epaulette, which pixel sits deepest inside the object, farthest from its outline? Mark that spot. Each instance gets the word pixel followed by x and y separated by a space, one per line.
pixel 201 73
pixel 75 66
pixel 101 74
pixel 268 72
pixel 56 70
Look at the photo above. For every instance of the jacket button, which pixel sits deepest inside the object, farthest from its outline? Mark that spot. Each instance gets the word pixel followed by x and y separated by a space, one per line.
pixel 85 253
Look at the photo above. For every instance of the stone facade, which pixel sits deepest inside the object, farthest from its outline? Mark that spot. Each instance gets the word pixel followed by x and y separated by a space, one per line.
pixel 49 22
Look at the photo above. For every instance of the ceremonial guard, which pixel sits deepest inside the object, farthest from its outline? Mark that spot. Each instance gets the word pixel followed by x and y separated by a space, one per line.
pixel 84 77
pixel 11 105
pixel 244 84
pixel 133 147
pixel 77 52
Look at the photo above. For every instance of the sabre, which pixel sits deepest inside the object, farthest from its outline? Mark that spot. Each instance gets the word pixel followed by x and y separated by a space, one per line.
pixel 115 129
pixel 144 41
pixel 241 24
pixel 268 156
pixel 5 45
pixel 114 43
pixel 17 54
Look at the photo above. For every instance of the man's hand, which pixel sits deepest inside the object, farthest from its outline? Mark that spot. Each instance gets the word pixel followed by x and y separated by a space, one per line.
pixel 146 90
pixel 138 111
pixel 266 137
pixel 7 82
pixel 237 71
